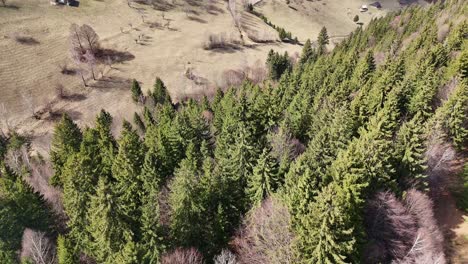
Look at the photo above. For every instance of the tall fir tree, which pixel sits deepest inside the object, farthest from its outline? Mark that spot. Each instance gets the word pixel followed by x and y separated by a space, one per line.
pixel 264 180
pixel 65 142
pixel 126 170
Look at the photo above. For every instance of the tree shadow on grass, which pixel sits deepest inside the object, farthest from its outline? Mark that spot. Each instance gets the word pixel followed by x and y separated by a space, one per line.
pixel 111 83
pixel 25 40
pixel 104 55
pixel 197 19
pixel 13 7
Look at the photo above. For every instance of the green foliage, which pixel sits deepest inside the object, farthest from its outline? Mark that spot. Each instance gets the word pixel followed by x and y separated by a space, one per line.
pixel 137 120
pixel 462 193
pixel 20 207
pixel 355 18
pixel 277 64
pixel 64 252
pixel 65 142
pixel 264 180
pixel 136 91
pixel 107 231
pixel 160 94
pixel 322 40
pixel 308 53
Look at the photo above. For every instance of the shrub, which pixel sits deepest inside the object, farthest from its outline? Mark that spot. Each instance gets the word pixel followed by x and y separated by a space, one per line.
pixel 220 41
pixel 183 256
pixel 356 18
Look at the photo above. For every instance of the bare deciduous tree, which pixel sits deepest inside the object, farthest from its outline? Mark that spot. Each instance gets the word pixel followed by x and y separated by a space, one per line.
pixel 236 16
pixel 75 38
pixel 37 246
pixel 428 245
pixel 90 60
pixel 183 256
pixel 390 228
pixel 403 232
pixel 266 236
pixel 90 37
pixel 28 100
pixel 225 257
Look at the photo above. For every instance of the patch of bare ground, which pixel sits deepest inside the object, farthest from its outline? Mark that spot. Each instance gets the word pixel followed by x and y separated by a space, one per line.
pixel 444 166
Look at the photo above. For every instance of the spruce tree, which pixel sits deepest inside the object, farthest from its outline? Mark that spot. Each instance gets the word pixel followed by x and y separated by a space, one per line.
pixel 264 180
pixel 138 122
pixel 64 251
pixel 186 210
pixel 106 228
pixel 136 91
pixel 65 142
pixel 308 53
pixel 410 152
pixel 160 93
pixel 322 40
pixel 106 143
pixel 126 170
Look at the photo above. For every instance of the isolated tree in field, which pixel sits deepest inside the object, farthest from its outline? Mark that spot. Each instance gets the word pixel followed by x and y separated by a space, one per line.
pixel 90 38
pixel 323 40
pixel 76 39
pixel 137 94
pixel 90 60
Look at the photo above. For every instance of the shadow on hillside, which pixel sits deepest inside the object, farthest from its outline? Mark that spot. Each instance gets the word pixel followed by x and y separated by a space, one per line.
pixel 13 7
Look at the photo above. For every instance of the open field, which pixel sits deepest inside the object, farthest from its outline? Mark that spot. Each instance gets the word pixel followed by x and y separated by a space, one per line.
pixel 171 44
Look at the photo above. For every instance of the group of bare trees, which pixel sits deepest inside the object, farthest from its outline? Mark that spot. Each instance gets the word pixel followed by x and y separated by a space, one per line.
pixel 84 46
pixel 266 236
pixel 403 231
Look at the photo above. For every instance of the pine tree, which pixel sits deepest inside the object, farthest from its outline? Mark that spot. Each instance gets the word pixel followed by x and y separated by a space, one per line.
pixel 128 254
pixel 126 171
pixel 410 152
pixel 138 122
pixel 160 93
pixel 106 143
pixel 28 205
pixel 326 234
pixel 308 53
pixel 136 91
pixel 64 252
pixel 65 142
pixel 186 210
pixel 107 231
pixel 322 40
pixel 264 180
